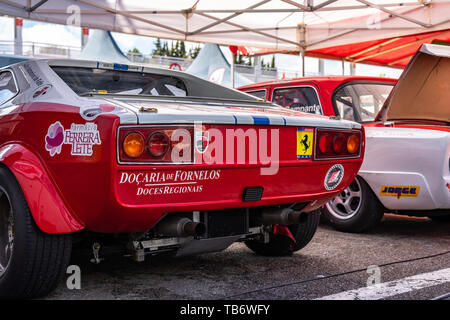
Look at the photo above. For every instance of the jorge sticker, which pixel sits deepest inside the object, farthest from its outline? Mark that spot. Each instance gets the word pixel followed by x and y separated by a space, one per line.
pixel 399 191
pixel 305 138
pixel 82 138
pixel 334 177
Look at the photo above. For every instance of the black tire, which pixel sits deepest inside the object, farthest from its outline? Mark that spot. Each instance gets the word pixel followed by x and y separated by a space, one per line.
pixel 366 214
pixel 37 261
pixel 443 218
pixel 280 245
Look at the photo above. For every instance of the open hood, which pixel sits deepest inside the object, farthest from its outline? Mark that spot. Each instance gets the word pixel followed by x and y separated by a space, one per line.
pixel 423 90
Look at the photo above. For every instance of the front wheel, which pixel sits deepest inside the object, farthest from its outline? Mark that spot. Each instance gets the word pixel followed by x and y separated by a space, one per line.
pixel 32 263
pixel 356 209
pixel 281 245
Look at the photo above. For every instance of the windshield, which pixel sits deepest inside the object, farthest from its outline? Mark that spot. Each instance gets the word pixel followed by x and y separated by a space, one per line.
pixel 85 80
pixel 360 102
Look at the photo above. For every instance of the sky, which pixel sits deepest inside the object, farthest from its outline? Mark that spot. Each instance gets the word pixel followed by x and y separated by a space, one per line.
pixel 42 32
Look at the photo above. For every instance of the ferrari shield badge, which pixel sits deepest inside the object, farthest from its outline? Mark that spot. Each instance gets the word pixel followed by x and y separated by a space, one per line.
pixel 201 140
pixel 305 138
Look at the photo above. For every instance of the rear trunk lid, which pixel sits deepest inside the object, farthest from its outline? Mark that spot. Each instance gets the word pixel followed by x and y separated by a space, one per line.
pixel 175 111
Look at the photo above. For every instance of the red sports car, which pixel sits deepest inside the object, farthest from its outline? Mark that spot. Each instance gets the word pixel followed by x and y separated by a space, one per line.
pixel 162 160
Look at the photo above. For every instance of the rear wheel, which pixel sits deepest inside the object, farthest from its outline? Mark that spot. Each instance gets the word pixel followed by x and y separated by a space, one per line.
pixel 356 209
pixel 32 263
pixel 281 245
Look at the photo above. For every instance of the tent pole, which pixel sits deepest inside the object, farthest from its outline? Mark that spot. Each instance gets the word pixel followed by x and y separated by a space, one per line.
pixel 321 67
pixel 302 56
pixel 343 67
pixel 233 56
pixel 18 47
pixel 301 38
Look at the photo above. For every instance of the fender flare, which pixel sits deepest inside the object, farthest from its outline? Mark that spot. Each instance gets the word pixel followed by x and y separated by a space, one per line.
pixel 47 207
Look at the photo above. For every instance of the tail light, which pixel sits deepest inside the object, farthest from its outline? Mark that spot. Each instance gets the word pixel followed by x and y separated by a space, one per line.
pixel 337 144
pixel 133 145
pixel 158 144
pixel 155 145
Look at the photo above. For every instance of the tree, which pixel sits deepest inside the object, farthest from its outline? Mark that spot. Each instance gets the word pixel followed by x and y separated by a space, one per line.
pixel 158 47
pixel 134 50
pixel 177 49
pixel 193 52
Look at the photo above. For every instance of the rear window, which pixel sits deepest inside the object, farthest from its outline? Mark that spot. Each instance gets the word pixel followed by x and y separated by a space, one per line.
pixel 261 94
pixel 8 87
pixel 302 99
pixel 86 80
pixel 360 102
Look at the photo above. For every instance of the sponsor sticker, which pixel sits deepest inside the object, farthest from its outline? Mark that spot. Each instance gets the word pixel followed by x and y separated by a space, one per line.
pixel 81 137
pixel 399 191
pixel 41 90
pixel 305 138
pixel 334 177
pixel 168 183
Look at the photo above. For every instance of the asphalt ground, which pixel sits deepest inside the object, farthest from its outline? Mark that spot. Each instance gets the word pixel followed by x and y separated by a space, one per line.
pixel 334 262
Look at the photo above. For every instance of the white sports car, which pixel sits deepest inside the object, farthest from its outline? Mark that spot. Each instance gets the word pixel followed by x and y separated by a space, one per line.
pixel 407 160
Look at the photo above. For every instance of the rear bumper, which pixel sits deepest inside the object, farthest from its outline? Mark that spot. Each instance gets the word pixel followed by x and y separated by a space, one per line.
pixel 141 197
pixel 430 194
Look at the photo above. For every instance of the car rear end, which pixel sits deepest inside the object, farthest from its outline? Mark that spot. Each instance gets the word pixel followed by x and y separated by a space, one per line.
pixel 188 158
pixel 225 176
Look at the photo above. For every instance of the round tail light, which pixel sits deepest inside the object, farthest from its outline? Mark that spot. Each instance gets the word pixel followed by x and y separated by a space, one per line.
pixel 133 145
pixel 338 144
pixel 158 144
pixel 324 144
pixel 353 143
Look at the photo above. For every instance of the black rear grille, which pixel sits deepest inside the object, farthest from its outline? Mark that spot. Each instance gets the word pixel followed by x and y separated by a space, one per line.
pixel 252 194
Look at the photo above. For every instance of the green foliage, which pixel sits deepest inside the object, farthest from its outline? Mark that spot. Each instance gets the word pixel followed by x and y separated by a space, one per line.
pixel 177 49
pixel 134 50
pixel 243 60
pixel 193 52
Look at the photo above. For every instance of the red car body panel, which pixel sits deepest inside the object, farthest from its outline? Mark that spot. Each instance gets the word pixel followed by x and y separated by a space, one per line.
pixel 49 210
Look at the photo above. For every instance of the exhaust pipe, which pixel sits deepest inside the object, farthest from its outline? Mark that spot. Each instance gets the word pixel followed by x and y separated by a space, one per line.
pixel 180 227
pixel 281 216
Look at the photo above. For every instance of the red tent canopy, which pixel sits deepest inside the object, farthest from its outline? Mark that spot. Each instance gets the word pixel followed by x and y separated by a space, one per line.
pixel 393 52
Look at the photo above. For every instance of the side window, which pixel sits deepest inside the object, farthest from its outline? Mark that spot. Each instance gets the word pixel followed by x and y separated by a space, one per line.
pixel 8 87
pixel 261 94
pixel 303 99
pixel 360 101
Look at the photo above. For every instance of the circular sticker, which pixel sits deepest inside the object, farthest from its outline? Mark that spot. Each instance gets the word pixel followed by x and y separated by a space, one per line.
pixel 334 177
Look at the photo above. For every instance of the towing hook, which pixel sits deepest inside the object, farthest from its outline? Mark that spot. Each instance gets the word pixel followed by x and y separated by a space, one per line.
pixel 95 250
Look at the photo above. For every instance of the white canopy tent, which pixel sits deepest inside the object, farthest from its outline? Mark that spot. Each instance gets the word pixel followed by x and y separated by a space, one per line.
pixel 281 24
